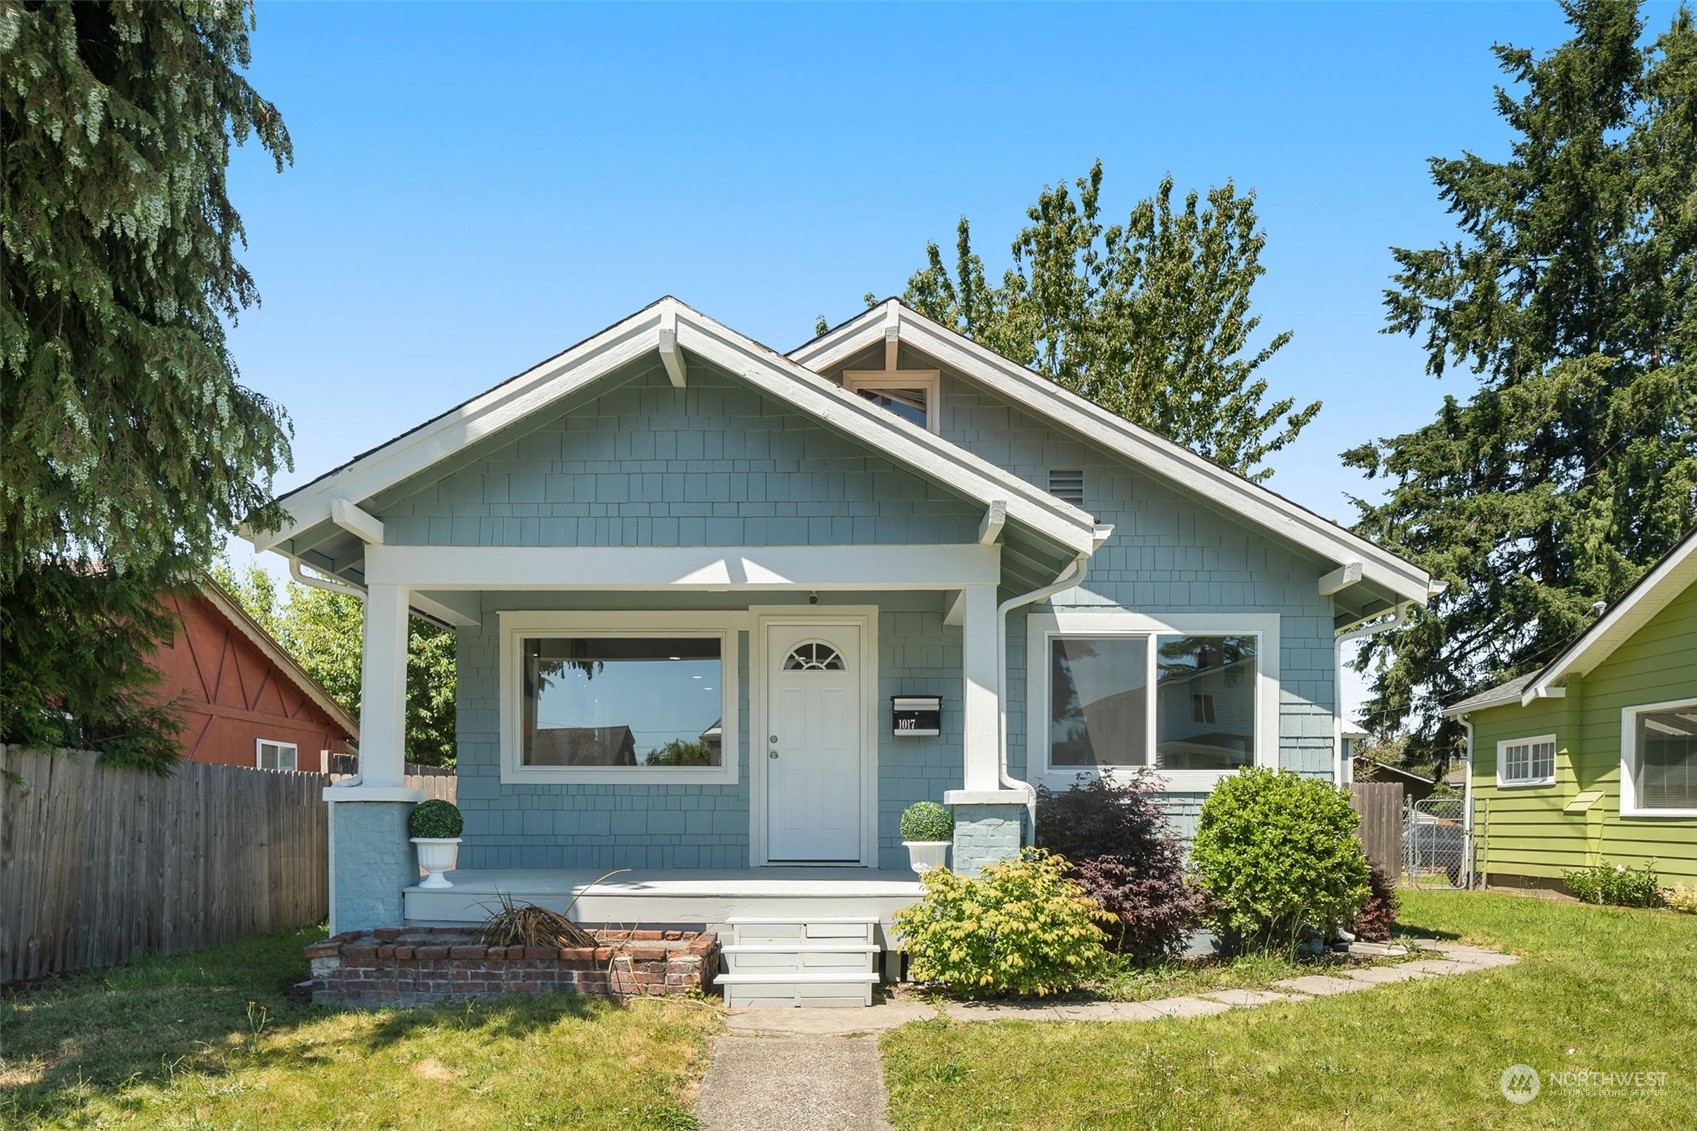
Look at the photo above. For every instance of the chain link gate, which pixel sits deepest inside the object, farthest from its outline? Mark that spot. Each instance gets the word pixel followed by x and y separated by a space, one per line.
pixel 1436 844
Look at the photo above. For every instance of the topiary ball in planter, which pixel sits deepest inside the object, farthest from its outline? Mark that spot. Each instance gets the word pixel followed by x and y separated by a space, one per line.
pixel 927 821
pixel 435 820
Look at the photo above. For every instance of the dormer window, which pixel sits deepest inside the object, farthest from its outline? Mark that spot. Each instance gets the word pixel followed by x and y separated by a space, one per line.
pixel 909 393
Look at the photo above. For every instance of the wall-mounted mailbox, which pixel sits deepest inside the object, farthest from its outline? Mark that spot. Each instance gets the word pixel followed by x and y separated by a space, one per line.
pixel 916 716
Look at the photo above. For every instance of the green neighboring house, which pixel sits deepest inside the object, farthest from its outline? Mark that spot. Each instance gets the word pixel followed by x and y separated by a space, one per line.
pixel 1594 758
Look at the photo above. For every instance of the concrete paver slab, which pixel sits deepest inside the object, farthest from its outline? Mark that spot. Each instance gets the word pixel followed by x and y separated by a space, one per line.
pixel 1320 985
pixel 1186 1006
pixel 1385 975
pixel 1246 999
pixel 794 1083
pixel 1108 1011
pixel 828 1022
pixel 1000 1011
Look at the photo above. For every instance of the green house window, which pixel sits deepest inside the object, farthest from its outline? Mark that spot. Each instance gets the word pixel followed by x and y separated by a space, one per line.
pixel 1661 754
pixel 1527 761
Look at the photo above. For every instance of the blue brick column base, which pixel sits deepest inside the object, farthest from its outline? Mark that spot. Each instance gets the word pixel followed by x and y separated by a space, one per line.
pixel 986 834
pixel 371 860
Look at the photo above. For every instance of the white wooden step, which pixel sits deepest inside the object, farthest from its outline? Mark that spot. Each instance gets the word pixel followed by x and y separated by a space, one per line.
pixel 758 931
pixel 817 989
pixel 744 957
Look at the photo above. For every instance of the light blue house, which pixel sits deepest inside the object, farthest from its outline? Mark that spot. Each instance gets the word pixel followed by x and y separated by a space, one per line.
pixel 689 576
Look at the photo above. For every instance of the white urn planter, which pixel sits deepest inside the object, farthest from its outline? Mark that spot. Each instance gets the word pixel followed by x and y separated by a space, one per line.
pixel 436 855
pixel 924 855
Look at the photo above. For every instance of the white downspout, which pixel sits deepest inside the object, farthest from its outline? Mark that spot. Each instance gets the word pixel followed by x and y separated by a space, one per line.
pixel 1341 639
pixel 1070 579
pixel 1467 806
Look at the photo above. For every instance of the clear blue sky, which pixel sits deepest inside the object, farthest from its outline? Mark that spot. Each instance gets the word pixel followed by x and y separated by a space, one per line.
pixel 477 186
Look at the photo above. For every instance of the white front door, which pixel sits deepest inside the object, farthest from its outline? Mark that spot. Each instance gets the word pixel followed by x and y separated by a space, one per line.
pixel 813 742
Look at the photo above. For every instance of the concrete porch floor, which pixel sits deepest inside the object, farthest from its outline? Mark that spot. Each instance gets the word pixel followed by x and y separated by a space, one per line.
pixel 666 898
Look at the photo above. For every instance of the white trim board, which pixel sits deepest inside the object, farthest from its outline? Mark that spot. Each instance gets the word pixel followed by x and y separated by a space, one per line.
pixel 710 568
pixel 1041 627
pixel 1033 393
pixel 638 336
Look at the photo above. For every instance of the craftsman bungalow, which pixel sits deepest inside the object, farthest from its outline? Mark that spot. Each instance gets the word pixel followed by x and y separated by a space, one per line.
pixel 689 574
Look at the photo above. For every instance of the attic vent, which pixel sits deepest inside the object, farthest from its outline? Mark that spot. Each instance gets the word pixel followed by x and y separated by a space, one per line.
pixel 1067 485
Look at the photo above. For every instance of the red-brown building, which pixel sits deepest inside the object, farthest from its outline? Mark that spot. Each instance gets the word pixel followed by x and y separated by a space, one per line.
pixel 246 701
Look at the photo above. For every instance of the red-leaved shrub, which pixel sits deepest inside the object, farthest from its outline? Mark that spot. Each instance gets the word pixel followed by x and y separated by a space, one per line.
pixel 1127 857
pixel 1378 914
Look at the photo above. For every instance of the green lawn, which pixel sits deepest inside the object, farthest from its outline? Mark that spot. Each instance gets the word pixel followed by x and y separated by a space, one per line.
pixel 208 1040
pixel 1599 989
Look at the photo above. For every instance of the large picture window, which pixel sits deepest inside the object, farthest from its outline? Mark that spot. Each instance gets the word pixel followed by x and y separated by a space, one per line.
pixel 1659 760
pixel 1191 704
pixel 602 697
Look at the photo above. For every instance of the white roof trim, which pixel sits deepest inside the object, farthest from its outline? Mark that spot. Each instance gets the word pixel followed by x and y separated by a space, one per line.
pixel 273 651
pixel 1654 592
pixel 640 335
pixel 1043 397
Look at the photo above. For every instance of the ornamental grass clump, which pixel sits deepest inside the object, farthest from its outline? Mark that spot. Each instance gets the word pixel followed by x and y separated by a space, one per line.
pixel 526 924
pixel 927 821
pixel 1277 854
pixel 1021 927
pixel 435 820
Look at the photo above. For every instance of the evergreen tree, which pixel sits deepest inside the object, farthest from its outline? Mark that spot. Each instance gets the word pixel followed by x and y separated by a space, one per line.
pixel 1572 293
pixel 128 449
pixel 1149 319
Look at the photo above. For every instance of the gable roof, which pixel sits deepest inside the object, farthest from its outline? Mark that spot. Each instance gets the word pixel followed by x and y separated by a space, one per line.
pixel 237 617
pixel 663 329
pixel 1649 595
pixel 1037 394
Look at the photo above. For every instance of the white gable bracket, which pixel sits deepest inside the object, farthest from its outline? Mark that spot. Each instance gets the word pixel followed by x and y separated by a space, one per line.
pixel 990 527
pixel 671 354
pixel 1340 579
pixel 361 524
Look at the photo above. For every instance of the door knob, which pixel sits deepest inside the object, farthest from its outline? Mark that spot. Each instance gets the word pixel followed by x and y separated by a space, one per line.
pixel 771 753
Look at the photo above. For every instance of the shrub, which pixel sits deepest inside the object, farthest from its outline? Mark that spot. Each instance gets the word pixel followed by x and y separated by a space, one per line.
pixel 927 820
pixel 1276 851
pixel 435 819
pixel 1616 884
pixel 1022 927
pixel 1127 857
pixel 1680 898
pixel 1377 916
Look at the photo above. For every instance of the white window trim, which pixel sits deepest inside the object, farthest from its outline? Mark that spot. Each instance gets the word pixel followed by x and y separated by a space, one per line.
pixel 1523 783
pixel 260 744
pixel 1629 806
pixel 1043 627
pixel 720 625
pixel 928 380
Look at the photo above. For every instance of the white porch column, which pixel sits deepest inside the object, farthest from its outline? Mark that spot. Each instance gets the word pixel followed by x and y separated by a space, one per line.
pixel 383 687
pixel 980 733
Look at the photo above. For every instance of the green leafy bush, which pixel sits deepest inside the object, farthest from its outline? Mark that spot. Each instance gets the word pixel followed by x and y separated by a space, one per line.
pixel 1616 884
pixel 927 820
pixel 1021 927
pixel 1277 851
pixel 435 820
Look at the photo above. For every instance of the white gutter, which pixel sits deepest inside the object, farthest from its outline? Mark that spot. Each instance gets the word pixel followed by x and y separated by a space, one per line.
pixel 1071 578
pixel 1342 638
pixel 1467 806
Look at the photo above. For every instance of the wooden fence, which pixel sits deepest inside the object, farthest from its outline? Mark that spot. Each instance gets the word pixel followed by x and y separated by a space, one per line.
pixel 1380 807
pixel 100 864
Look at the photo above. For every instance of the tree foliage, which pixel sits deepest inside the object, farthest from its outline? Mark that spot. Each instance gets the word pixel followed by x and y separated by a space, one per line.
pixel 1571 291
pixel 127 435
pixel 325 633
pixel 1149 319
pixel 128 449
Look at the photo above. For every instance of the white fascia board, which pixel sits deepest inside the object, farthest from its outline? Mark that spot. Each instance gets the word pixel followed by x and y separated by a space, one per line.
pixel 1037 394
pixel 480 417
pixel 930 455
pixel 708 568
pixel 1653 593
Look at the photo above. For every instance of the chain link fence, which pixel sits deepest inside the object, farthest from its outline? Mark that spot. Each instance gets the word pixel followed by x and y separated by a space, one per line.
pixel 1437 847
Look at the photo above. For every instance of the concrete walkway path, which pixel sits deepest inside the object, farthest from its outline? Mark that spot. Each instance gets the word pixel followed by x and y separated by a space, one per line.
pixel 807 1069
pixel 794 1083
